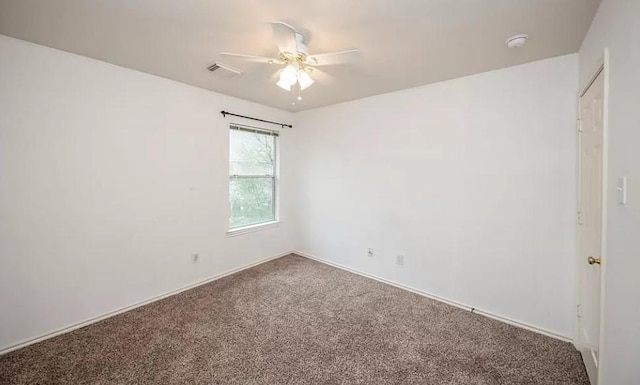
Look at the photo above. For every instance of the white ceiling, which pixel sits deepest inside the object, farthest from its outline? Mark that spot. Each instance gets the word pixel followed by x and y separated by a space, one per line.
pixel 404 43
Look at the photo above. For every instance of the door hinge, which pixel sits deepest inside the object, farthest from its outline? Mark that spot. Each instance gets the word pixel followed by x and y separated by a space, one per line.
pixel 579 125
pixel 578 312
pixel 580 217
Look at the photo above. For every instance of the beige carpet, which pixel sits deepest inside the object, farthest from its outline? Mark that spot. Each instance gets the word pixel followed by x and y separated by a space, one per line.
pixel 296 321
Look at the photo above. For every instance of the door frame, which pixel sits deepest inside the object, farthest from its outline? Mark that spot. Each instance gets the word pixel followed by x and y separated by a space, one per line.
pixel 601 66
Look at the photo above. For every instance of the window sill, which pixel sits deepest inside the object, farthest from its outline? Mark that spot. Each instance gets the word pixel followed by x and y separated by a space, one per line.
pixel 253 228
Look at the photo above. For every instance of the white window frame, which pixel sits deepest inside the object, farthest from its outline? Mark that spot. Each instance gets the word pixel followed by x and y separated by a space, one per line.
pixel 276 185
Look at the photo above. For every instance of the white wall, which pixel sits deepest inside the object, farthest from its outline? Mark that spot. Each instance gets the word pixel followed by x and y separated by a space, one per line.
pixel 617 27
pixel 472 180
pixel 109 180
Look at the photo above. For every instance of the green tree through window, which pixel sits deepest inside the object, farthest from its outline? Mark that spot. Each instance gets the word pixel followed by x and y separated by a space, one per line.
pixel 252 176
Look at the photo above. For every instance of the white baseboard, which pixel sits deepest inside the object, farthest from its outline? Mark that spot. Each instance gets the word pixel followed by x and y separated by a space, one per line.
pixel 90 321
pixel 440 299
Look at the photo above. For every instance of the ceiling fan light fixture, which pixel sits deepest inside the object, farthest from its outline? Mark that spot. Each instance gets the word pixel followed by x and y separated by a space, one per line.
pixel 305 80
pixel 288 77
pixel 284 85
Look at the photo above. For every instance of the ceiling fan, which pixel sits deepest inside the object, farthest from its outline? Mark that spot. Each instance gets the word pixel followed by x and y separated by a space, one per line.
pixel 294 58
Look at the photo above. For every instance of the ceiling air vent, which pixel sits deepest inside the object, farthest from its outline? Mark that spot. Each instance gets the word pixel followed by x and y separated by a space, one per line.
pixel 224 70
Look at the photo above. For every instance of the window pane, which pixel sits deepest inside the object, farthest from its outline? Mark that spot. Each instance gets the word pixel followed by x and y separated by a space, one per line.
pixel 251 153
pixel 252 201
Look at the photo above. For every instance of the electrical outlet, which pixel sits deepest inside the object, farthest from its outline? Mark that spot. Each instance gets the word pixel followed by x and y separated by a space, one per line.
pixel 370 252
pixel 194 258
pixel 400 260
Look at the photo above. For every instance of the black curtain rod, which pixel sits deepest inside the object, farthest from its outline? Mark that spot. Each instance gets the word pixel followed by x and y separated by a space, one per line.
pixel 225 113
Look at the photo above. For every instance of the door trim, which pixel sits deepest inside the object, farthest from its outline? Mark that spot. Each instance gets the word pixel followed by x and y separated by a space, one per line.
pixel 601 66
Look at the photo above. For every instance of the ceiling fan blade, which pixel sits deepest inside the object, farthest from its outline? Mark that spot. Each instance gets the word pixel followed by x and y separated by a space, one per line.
pixel 334 58
pixel 285 36
pixel 251 58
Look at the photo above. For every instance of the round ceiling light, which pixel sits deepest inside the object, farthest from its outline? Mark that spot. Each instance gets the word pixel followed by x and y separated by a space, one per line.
pixel 517 41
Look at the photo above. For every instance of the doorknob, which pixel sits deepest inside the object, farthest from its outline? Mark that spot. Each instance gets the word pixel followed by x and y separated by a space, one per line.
pixel 593 260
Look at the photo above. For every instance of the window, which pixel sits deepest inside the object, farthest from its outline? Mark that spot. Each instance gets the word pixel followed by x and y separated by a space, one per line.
pixel 252 176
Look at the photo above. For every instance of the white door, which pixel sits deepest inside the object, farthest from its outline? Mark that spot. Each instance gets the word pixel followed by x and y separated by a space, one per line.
pixel 590 201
